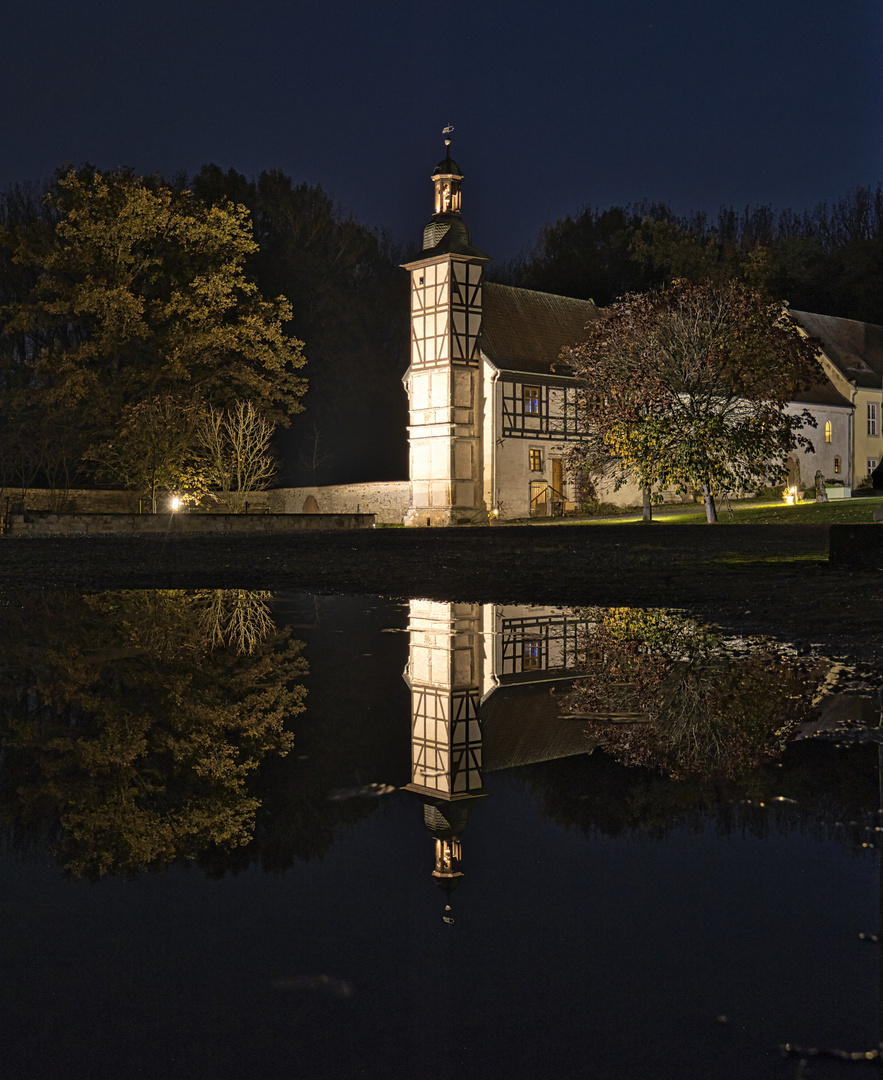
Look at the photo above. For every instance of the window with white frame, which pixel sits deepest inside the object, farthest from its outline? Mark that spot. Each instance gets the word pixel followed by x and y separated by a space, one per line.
pixel 872 464
pixel 872 417
pixel 530 397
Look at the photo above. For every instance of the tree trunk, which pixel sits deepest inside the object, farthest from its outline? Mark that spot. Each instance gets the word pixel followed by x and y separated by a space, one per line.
pixel 648 507
pixel 710 508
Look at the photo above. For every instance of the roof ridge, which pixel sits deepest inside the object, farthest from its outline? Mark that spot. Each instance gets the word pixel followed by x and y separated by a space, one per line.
pixel 544 292
pixel 837 318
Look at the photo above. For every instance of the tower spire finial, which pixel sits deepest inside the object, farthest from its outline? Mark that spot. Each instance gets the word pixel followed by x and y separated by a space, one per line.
pixel 449 130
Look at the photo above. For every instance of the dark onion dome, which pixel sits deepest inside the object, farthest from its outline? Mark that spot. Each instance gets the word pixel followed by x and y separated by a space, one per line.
pixel 448 167
pixel 448 234
pixel 446 820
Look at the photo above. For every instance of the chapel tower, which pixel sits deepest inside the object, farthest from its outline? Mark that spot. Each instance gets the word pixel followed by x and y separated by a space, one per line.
pixel 444 380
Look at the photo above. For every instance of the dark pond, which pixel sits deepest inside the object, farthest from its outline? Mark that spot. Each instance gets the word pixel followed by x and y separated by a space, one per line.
pixel 306 837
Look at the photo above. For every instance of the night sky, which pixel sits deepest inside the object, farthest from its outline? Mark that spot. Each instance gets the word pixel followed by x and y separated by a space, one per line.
pixel 555 106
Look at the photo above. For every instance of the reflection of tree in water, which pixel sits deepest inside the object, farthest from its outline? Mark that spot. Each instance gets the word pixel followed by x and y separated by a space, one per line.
pixel 235 618
pixel 816 788
pixel 663 691
pixel 133 721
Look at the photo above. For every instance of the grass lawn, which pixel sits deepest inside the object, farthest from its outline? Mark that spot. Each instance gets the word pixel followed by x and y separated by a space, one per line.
pixel 750 512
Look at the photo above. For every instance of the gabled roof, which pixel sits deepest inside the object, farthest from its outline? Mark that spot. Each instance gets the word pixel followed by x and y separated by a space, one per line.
pixel 523 330
pixel 855 347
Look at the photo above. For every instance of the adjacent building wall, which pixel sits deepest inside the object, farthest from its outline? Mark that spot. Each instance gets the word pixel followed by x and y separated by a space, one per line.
pixel 831 456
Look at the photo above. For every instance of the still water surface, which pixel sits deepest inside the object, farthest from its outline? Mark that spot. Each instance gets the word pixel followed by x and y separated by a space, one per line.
pixel 504 842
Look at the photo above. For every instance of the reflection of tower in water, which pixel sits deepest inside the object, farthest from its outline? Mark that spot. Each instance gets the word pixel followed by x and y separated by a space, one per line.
pixel 444 675
pixel 479 676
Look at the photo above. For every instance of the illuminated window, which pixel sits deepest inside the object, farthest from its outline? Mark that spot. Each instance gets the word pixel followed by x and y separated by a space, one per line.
pixel 872 464
pixel 836 465
pixel 827 431
pixel 536 460
pixel 530 396
pixel 872 418
pixel 531 656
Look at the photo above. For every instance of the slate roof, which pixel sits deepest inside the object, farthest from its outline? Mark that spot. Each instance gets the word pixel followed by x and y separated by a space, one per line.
pixel 523 330
pixel 824 394
pixel 855 347
pixel 523 724
pixel 448 234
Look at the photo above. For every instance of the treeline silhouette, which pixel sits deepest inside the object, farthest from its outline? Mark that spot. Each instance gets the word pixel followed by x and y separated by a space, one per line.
pixel 827 260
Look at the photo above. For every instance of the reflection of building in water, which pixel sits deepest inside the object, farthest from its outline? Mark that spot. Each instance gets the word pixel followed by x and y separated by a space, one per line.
pixel 480 678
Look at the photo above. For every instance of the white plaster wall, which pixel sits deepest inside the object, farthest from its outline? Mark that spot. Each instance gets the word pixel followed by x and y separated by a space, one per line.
pixel 514 477
pixel 867 447
pixel 824 453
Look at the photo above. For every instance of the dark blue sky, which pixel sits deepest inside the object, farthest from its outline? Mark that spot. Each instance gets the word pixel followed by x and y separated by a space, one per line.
pixel 556 105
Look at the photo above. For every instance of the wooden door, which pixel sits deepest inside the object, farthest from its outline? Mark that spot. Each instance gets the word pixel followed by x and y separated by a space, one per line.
pixel 558 476
pixel 539 494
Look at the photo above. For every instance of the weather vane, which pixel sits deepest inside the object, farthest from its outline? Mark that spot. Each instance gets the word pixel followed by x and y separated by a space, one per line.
pixel 449 130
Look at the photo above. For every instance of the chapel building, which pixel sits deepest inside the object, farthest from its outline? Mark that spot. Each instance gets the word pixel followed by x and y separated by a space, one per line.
pixel 492 406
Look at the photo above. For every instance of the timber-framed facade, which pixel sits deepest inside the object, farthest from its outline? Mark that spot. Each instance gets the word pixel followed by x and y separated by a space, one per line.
pixel 493 406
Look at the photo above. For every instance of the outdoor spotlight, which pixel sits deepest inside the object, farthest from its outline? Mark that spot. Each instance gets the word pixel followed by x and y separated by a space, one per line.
pixel 176 502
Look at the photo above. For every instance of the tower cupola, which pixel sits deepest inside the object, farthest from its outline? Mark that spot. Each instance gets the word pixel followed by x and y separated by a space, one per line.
pixel 448 233
pixel 447 178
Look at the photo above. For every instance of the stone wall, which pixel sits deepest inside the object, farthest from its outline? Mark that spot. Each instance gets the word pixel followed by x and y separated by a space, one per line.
pixel 79 501
pixel 45 523
pixel 387 501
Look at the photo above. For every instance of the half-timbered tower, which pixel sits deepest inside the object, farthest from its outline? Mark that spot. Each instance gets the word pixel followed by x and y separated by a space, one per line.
pixel 488 409
pixel 444 379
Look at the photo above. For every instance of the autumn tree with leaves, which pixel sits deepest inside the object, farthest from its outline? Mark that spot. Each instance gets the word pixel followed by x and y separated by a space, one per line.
pixel 137 292
pixel 155 449
pixel 686 388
